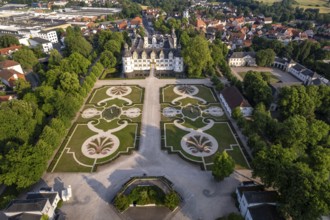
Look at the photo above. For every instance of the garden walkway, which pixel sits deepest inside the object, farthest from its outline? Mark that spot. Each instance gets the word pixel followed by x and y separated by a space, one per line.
pixel 92 192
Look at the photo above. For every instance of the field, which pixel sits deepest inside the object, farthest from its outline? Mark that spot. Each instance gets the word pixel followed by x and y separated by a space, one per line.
pixel 195 126
pixel 323 5
pixel 273 79
pixel 108 126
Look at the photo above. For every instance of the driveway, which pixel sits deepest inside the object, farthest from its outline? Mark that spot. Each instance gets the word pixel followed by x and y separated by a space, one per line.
pixel 92 192
pixel 281 75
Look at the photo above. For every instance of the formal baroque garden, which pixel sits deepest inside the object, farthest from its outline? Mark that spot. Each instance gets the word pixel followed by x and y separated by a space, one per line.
pixel 195 126
pixel 108 126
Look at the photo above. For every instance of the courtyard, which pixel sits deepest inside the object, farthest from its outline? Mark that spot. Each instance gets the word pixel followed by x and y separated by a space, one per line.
pixel 276 75
pixel 203 198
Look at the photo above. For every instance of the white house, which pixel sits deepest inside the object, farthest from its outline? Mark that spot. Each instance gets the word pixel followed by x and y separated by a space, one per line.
pixel 231 98
pixel 45 44
pixel 301 72
pixel 11 65
pixel 46 35
pixel 36 204
pixel 242 59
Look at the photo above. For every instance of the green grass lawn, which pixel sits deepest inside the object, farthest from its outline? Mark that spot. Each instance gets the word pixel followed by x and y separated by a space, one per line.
pixel 273 79
pixel 323 5
pixel 75 160
pixel 220 130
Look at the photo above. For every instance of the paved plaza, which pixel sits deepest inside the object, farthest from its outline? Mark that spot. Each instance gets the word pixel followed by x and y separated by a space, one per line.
pixel 92 192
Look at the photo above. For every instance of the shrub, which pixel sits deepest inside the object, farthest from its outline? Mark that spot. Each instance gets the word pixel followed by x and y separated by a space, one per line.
pixel 172 200
pixel 121 202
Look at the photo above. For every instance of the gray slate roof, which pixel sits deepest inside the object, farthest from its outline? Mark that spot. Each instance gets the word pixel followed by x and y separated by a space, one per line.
pixel 243 54
pixel 40 40
pixel 40 195
pixel 261 197
pixel 255 188
pixel 26 205
pixel 265 211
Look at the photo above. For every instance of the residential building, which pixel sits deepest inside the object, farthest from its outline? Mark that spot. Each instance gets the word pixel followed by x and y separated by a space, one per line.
pixel 232 98
pixel 9 50
pixel 10 76
pixel 301 72
pixel 11 65
pixel 268 20
pixel 242 59
pixel 45 44
pixel 36 205
pixel 6 98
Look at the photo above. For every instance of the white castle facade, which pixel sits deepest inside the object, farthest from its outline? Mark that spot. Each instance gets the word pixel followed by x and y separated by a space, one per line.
pixel 159 52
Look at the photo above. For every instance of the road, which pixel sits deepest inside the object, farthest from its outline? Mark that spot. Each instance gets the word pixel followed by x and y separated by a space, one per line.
pixel 92 192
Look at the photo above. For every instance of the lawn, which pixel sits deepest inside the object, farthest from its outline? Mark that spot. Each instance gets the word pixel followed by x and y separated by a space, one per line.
pixel 102 132
pixel 194 118
pixel 273 79
pixel 323 5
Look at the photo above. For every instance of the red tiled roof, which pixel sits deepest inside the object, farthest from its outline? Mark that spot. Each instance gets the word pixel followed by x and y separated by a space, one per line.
pixel 200 23
pixel 6 98
pixel 234 98
pixel 136 21
pixel 8 75
pixel 6 51
pixel 122 25
pixel 8 63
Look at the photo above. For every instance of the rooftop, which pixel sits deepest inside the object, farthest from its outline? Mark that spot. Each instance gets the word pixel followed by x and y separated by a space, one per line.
pixel 265 211
pixel 261 197
pixel 234 98
pixel 8 63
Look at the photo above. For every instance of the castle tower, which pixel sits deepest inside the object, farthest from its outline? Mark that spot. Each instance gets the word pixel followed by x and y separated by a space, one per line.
pixel 174 38
pixel 127 60
pixel 145 41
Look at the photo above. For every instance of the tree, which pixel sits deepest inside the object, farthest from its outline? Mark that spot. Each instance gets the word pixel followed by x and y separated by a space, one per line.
pixel 223 166
pixel 8 40
pixel 77 44
pixel 265 57
pixel 121 202
pixel 76 63
pixel 172 200
pixel 236 114
pixel 113 46
pixel 22 87
pixel 196 56
pixel 26 58
pixel 69 82
pixel 294 100
pixel 107 59
pixel 54 58
pixel 22 166
pixel 257 89
pixel 232 216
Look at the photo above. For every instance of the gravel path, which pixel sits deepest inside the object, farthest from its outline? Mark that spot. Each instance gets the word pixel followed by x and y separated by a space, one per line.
pixel 92 192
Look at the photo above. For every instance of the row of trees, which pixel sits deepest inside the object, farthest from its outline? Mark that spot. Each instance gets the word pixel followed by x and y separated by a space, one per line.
pixel 35 125
pixel 291 153
pixel 309 53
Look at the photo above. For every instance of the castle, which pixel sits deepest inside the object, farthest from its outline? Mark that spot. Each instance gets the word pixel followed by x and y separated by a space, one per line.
pixel 159 52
